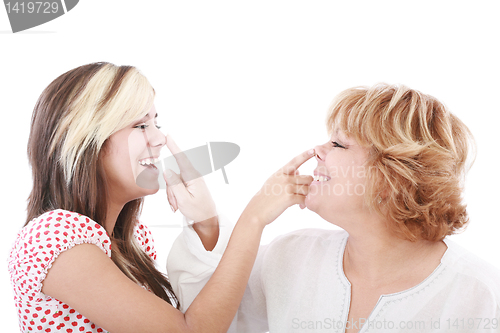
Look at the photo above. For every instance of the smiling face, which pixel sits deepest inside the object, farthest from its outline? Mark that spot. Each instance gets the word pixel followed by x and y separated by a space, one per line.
pixel 128 159
pixel 338 190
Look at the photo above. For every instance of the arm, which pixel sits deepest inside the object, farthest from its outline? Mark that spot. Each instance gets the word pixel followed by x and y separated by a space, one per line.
pixel 252 313
pixel 190 267
pixel 87 280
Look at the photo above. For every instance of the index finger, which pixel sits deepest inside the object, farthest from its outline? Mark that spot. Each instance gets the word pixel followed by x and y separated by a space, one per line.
pixel 185 166
pixel 297 161
pixel 171 145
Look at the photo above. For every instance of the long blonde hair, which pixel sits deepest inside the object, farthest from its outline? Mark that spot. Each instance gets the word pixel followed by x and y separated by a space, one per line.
pixel 71 122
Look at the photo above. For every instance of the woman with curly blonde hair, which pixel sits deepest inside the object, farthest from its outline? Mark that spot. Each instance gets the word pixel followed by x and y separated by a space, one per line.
pixel 391 175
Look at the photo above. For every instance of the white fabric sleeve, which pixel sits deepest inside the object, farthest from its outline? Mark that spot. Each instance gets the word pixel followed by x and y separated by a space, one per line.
pixel 189 265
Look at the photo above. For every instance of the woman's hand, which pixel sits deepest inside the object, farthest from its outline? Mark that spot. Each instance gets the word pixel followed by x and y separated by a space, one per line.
pixel 282 190
pixel 188 191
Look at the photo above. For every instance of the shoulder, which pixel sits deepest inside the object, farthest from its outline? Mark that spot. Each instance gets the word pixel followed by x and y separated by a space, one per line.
pixel 41 241
pixel 144 239
pixel 301 256
pixel 64 228
pixel 471 271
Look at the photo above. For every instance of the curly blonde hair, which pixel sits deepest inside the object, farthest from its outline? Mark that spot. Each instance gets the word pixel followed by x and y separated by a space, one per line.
pixel 418 154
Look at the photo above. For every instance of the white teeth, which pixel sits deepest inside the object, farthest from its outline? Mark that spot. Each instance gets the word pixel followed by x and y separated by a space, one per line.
pixel 149 161
pixel 320 178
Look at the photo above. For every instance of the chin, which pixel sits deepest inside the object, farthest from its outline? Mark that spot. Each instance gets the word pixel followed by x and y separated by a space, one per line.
pixel 142 188
pixel 311 204
pixel 151 189
pixel 148 182
pixel 323 210
pixel 141 193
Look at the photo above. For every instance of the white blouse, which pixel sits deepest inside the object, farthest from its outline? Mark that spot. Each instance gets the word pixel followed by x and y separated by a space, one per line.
pixel 298 285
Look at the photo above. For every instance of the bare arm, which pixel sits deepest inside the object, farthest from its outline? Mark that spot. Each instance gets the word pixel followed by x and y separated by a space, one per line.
pixel 87 280
pixel 224 290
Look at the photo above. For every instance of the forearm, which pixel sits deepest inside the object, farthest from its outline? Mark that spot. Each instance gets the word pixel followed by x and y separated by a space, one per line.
pixel 208 231
pixel 224 291
pixel 216 305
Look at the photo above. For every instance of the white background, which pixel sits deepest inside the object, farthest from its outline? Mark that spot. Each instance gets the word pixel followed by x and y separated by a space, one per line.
pixel 260 74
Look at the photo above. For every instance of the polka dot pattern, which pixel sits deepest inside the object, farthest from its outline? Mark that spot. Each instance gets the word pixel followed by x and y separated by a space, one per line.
pixel 144 238
pixel 36 247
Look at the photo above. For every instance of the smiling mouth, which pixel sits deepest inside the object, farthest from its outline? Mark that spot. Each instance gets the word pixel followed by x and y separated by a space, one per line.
pixel 321 178
pixel 149 162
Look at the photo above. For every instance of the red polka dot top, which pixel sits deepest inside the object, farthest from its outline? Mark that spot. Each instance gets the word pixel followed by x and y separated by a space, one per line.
pixel 37 246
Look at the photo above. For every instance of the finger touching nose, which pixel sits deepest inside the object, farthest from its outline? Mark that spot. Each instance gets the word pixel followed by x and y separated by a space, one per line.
pixel 171 145
pixel 320 152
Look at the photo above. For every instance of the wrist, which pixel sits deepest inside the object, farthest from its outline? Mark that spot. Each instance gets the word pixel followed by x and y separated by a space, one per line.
pixel 252 220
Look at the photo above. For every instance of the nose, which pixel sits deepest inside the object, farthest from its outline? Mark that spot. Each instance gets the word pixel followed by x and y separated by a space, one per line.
pixel 155 137
pixel 321 151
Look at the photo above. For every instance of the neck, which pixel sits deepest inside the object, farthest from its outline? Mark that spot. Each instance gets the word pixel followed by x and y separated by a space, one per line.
pixel 377 256
pixel 113 210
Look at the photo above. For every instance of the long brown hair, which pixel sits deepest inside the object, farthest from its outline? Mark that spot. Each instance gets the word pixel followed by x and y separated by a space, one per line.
pixel 71 122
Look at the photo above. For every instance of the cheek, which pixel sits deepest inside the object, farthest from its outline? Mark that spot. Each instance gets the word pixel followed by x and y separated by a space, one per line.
pixel 117 161
pixel 134 150
pixel 338 167
pixel 118 168
pixel 347 183
pixel 135 143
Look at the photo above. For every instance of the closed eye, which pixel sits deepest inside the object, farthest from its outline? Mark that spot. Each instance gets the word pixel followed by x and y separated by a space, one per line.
pixel 337 145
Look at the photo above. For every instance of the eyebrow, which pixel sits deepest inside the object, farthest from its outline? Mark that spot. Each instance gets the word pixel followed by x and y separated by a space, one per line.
pixel 340 137
pixel 147 116
pixel 337 133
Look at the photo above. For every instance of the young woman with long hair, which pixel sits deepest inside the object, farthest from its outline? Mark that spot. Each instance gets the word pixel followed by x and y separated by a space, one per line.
pixel 83 261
